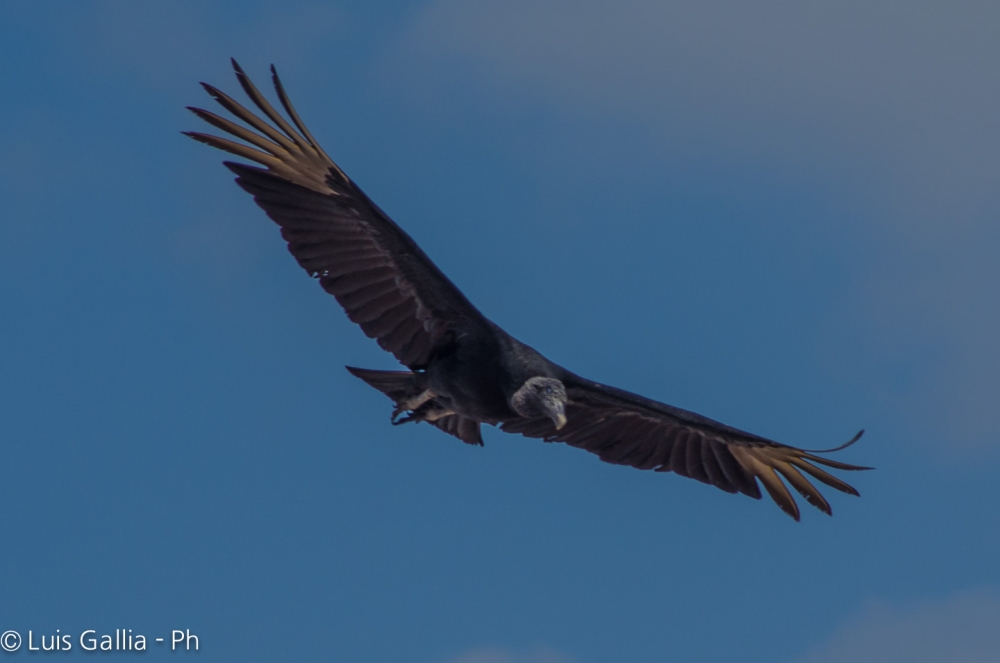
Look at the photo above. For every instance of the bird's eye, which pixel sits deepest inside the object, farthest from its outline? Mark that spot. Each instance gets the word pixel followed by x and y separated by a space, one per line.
pixel 548 390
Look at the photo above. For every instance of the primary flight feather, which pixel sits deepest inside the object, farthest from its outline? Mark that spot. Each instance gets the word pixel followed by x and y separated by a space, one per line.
pixel 464 370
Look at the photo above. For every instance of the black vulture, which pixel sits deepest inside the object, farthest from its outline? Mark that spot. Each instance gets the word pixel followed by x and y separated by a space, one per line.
pixel 464 370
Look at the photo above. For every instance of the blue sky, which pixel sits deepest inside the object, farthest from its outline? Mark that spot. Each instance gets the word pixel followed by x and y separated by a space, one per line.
pixel 785 218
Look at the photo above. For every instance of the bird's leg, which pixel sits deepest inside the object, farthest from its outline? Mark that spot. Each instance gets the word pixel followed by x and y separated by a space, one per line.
pixel 408 418
pixel 429 411
pixel 411 405
pixel 434 415
pixel 416 401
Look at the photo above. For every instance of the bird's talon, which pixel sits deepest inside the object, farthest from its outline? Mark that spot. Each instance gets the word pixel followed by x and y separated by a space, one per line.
pixel 396 421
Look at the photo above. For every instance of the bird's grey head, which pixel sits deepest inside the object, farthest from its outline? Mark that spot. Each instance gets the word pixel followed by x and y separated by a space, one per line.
pixel 541 397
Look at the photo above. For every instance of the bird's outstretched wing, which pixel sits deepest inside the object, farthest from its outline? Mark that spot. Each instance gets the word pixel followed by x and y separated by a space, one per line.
pixel 379 275
pixel 628 429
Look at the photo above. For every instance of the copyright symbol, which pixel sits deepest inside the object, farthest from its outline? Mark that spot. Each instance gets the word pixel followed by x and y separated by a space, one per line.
pixel 10 640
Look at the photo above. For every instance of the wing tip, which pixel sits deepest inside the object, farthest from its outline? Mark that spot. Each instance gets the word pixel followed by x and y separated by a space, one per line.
pixel 212 91
pixel 200 137
pixel 793 512
pixel 850 442
pixel 822 506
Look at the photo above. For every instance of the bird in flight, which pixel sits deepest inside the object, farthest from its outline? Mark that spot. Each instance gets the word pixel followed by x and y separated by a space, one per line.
pixel 464 370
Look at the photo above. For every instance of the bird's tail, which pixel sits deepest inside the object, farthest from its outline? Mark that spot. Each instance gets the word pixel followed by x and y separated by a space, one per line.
pixel 409 394
pixel 400 386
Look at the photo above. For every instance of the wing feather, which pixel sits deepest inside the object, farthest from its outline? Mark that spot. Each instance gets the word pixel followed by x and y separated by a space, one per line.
pixel 378 274
pixel 678 453
pixel 628 429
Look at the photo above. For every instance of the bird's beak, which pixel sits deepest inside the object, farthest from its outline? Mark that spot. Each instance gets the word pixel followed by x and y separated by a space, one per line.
pixel 559 416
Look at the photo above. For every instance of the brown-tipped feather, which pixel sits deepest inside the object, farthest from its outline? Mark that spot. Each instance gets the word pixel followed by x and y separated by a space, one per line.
pixel 240 132
pixel 265 106
pixel 804 488
pixel 247 116
pixel 767 476
pixel 837 465
pixel 826 477
pixel 238 149
pixel 735 473
pixel 286 103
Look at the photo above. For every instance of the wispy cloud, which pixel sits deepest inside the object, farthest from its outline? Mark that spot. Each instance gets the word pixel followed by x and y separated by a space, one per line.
pixel 964 628
pixel 164 42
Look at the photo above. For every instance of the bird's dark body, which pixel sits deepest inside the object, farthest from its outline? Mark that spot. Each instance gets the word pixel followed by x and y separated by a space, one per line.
pixel 479 374
pixel 472 380
pixel 480 377
pixel 464 370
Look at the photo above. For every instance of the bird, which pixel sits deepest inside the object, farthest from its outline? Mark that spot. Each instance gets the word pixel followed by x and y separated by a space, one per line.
pixel 462 369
